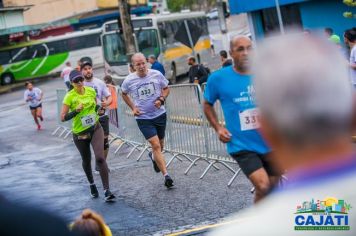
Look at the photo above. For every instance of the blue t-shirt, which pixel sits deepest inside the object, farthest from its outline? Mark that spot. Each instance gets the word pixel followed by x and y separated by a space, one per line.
pixel 236 95
pixel 158 66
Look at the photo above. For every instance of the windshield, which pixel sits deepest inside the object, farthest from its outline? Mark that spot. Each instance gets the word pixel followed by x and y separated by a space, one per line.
pixel 147 42
pixel 114 49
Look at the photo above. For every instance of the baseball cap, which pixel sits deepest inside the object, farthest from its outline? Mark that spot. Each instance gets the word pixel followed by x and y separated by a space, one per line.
pixel 74 74
pixel 86 63
pixel 335 39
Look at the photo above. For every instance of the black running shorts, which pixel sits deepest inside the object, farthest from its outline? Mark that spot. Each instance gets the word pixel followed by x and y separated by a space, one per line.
pixel 249 162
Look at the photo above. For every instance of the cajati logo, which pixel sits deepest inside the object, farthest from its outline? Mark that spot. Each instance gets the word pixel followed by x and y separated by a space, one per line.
pixel 328 214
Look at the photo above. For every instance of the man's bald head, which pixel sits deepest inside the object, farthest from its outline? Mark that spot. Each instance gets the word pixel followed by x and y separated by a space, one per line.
pixel 238 39
pixel 137 56
pixel 240 47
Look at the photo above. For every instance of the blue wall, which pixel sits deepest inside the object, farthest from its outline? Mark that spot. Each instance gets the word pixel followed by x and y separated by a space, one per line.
pixel 319 14
pixel 239 6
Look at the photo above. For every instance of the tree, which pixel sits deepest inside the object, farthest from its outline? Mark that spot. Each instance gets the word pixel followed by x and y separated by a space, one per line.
pixel 177 5
pixel 350 3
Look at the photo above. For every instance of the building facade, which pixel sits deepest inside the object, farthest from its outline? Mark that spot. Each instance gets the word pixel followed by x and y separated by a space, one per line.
pixel 314 15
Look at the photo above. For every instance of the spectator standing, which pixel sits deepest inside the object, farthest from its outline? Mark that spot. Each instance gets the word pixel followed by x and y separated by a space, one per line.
pixel 65 75
pixel 156 65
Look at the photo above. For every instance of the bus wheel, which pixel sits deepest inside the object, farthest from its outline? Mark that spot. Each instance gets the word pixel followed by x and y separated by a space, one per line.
pixel 173 79
pixel 7 78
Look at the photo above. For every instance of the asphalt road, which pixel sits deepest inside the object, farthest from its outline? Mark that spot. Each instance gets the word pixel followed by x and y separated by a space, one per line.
pixel 43 170
pixel 39 169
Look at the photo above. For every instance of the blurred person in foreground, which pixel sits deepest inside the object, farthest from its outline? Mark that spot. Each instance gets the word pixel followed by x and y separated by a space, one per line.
pixel 90 223
pixel 306 109
pixel 23 220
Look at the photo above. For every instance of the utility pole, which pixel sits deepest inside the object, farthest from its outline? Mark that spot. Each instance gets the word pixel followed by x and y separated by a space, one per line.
pixel 127 29
pixel 279 15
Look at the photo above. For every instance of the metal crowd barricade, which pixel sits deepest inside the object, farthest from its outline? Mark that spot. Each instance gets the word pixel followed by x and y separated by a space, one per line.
pixel 186 134
pixel 217 150
pixel 63 128
pixel 131 134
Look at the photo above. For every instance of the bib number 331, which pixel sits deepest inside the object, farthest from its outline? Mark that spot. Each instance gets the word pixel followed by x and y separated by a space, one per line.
pixel 249 119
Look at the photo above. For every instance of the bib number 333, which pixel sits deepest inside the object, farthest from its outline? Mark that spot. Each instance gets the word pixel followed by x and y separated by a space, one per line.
pixel 146 91
pixel 249 119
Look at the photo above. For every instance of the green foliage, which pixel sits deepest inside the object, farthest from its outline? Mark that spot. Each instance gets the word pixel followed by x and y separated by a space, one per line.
pixel 175 5
pixel 350 3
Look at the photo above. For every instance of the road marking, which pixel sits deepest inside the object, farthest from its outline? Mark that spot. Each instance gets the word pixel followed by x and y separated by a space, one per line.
pixel 204 228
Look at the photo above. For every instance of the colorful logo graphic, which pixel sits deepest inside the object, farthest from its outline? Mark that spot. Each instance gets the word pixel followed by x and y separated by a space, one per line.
pixel 328 214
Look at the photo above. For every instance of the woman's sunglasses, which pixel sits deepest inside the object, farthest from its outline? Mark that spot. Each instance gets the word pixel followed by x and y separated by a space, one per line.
pixel 77 80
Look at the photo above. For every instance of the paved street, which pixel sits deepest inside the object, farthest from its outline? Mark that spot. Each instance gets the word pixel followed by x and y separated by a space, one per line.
pixel 43 170
pixel 38 168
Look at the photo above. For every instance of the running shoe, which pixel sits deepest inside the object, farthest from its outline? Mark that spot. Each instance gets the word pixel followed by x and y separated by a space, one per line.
pixel 109 196
pixel 94 191
pixel 168 181
pixel 38 127
pixel 155 166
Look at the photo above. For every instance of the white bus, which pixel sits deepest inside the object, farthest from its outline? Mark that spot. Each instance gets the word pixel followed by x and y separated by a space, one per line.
pixel 47 56
pixel 155 34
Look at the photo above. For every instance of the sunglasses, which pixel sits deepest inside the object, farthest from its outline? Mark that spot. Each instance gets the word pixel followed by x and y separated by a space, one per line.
pixel 77 80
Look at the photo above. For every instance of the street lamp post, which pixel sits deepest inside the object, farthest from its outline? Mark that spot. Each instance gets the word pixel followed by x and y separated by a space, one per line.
pixel 280 21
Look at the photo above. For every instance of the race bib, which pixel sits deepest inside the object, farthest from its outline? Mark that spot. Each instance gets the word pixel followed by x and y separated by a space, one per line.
pixel 88 120
pixel 249 119
pixel 146 91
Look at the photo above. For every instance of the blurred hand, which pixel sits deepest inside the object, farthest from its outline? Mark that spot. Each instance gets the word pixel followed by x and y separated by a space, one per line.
pixel 79 107
pixel 158 103
pixel 103 103
pixel 136 111
pixel 224 135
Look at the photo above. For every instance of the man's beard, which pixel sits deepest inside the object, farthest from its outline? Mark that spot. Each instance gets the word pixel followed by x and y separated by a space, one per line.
pixel 88 76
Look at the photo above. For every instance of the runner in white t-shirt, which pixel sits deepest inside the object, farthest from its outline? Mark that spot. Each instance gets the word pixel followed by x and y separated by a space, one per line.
pixel 103 98
pixel 65 75
pixel 33 96
pixel 148 90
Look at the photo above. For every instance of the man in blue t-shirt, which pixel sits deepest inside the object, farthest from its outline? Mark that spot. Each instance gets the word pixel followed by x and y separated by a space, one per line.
pixel 155 65
pixel 233 87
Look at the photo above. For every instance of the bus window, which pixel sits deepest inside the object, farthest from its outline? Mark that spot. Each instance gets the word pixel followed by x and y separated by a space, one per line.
pixel 162 32
pixel 59 46
pixel 114 49
pixel 5 57
pixel 148 42
pixel 20 54
pixel 41 50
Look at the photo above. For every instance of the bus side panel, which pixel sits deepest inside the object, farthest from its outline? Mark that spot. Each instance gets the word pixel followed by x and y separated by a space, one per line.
pixel 36 67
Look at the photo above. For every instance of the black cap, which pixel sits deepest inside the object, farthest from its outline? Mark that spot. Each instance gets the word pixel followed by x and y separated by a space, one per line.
pixel 74 74
pixel 85 63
